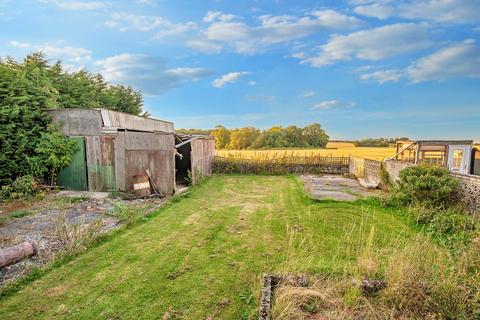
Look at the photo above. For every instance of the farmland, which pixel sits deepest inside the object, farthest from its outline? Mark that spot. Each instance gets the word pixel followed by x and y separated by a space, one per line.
pixel 333 149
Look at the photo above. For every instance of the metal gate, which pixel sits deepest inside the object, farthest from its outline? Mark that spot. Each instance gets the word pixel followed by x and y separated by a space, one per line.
pixel 74 177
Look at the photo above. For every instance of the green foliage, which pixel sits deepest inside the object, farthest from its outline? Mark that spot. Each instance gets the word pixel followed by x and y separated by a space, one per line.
pixel 452 226
pixel 315 136
pixel 276 137
pixel 52 153
pixel 243 138
pixel 284 165
pixel 195 131
pixel 84 90
pixel 20 214
pixel 385 180
pixel 199 177
pixel 128 215
pixel 25 90
pixel 24 187
pixel 429 191
pixel 425 185
pixel 222 137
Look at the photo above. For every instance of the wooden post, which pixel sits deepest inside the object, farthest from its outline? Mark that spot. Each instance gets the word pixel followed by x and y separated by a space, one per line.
pixel 17 253
pixel 417 153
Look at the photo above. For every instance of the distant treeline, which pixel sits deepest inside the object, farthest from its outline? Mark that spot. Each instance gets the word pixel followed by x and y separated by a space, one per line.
pixel 312 136
pixel 379 142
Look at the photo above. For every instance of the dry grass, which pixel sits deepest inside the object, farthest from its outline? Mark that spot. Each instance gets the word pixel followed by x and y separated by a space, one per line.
pixel 75 238
pixel 334 149
pixel 424 281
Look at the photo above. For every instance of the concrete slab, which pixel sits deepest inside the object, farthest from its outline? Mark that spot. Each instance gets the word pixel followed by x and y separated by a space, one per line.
pixel 335 187
pixel 85 194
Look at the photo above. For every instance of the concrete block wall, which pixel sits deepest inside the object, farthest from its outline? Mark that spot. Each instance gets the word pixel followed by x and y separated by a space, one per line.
pixel 394 167
pixel 365 168
pixel 469 191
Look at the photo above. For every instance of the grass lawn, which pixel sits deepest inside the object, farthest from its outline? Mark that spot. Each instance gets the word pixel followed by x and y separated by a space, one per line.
pixel 203 256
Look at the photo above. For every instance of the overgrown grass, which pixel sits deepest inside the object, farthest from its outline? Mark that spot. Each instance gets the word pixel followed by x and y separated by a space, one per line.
pixel 202 255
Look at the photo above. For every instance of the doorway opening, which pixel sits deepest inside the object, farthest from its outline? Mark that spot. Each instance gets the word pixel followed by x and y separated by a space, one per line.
pixel 183 165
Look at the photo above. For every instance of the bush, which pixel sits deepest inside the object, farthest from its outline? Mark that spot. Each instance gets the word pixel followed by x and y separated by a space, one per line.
pixel 53 153
pixel 425 185
pixel 24 187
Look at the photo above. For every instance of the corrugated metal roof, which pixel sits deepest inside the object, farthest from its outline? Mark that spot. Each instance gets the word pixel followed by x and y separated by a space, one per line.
pixel 121 120
pixel 95 120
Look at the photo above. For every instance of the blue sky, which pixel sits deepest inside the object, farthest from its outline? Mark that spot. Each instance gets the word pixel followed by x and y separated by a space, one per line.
pixel 361 68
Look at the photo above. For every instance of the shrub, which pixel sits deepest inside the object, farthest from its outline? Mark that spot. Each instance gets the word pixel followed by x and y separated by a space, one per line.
pixel 23 187
pixel 425 185
pixel 53 153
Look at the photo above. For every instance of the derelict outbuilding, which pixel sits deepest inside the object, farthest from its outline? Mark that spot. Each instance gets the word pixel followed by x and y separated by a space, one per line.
pixel 114 149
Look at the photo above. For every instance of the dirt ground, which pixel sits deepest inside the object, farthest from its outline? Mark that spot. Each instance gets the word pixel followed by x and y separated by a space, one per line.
pixel 46 216
pixel 335 187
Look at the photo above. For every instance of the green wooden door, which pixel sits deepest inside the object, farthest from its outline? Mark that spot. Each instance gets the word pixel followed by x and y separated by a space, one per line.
pixel 74 177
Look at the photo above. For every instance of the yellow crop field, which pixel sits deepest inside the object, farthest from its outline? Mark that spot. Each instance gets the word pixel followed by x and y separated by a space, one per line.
pixel 334 149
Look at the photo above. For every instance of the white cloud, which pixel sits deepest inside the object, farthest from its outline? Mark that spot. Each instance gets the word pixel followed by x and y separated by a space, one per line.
pixel 217 15
pixel 76 56
pixel 18 44
pixel 299 55
pixel 147 73
pixel 382 76
pixel 231 77
pixel 452 11
pixel 332 104
pixel 307 94
pixel 78 5
pixel 376 10
pixel 161 26
pixel 252 83
pixel 204 45
pixel 373 44
pixel 228 30
pixel 459 60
